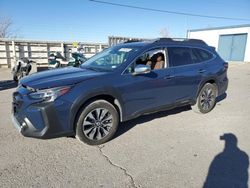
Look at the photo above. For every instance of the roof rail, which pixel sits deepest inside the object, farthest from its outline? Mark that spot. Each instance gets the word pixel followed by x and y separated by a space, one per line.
pixel 193 41
pixel 132 40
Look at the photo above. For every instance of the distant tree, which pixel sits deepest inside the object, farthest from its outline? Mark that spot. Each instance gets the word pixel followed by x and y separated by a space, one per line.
pixel 6 28
pixel 164 32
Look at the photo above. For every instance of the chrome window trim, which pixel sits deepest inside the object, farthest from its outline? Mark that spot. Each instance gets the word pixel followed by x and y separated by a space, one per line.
pixel 150 49
pixel 165 47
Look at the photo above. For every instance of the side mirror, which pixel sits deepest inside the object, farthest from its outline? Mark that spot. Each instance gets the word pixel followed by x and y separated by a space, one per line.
pixel 142 69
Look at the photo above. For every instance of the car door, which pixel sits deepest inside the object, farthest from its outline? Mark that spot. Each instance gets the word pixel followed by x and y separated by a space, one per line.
pixel 145 92
pixel 187 71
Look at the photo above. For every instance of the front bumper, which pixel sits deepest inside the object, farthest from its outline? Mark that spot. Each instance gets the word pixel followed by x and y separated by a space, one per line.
pixel 16 123
pixel 40 120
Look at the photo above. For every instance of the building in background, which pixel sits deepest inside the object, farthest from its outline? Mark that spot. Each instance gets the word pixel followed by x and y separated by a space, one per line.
pixel 231 42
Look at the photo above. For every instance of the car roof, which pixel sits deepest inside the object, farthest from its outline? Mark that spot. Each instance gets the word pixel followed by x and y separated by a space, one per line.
pixel 165 41
pixel 134 44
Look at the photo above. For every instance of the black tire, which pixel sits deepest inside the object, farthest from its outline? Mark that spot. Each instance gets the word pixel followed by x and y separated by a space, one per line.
pixel 89 127
pixel 15 78
pixel 28 69
pixel 206 99
pixel 58 64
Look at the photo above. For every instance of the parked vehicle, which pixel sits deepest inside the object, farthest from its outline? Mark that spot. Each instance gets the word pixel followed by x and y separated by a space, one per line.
pixel 22 68
pixel 56 60
pixel 119 84
pixel 76 59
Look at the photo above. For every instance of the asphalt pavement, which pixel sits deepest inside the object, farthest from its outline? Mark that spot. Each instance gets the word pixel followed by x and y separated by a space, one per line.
pixel 176 148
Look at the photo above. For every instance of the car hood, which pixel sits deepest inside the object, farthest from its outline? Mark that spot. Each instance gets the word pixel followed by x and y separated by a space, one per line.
pixel 58 77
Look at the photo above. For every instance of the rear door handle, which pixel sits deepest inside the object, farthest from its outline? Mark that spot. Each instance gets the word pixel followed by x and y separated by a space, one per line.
pixel 168 77
pixel 202 71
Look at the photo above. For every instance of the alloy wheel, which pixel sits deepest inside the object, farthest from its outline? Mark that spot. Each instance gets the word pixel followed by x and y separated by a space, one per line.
pixel 97 124
pixel 207 98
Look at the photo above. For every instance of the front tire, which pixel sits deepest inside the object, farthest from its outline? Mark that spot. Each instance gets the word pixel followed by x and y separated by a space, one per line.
pixel 97 123
pixel 206 99
pixel 15 77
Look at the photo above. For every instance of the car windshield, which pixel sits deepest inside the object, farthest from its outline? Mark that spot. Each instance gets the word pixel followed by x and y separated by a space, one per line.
pixel 109 59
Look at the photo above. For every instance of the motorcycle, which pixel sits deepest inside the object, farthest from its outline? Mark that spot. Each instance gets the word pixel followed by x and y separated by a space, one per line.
pixel 77 59
pixel 22 68
pixel 56 60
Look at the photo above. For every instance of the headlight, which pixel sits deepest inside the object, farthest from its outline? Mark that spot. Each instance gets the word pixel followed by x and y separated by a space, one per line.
pixel 49 94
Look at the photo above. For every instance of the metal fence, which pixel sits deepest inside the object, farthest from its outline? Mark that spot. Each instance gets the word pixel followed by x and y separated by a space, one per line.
pixel 113 40
pixel 38 51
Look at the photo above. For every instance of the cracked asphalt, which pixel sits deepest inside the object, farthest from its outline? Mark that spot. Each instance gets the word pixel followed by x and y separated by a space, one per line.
pixel 167 149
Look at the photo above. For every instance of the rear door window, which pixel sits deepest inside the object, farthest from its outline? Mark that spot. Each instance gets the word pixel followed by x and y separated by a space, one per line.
pixel 179 56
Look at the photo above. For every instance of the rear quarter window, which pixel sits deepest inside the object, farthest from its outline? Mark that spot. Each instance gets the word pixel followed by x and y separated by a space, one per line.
pixel 202 55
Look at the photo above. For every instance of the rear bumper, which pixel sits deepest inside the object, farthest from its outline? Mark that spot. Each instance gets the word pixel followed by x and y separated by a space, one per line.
pixel 223 85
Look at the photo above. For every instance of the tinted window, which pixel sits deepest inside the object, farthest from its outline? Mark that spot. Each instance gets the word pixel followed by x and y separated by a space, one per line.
pixel 180 56
pixel 195 55
pixel 202 55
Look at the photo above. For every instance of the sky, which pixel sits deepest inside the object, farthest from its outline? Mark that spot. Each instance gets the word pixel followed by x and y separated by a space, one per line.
pixel 87 21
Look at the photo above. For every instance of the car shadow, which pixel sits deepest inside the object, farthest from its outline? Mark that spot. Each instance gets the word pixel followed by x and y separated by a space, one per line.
pixel 221 97
pixel 126 126
pixel 7 84
pixel 229 168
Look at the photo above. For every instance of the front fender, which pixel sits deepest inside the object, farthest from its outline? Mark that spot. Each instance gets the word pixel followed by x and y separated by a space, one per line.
pixel 85 99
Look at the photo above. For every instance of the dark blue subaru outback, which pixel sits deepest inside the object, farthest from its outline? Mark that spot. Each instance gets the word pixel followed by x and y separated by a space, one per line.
pixel 116 85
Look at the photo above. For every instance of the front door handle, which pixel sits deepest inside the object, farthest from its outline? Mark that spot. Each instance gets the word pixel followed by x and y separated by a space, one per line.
pixel 168 77
pixel 202 71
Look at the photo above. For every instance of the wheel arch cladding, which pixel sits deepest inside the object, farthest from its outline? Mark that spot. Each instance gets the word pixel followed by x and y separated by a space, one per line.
pixel 107 97
pixel 210 80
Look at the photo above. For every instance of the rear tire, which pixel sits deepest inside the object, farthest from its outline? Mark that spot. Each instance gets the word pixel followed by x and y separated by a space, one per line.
pixel 97 122
pixel 206 99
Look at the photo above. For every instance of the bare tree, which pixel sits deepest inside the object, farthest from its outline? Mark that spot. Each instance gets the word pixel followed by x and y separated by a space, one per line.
pixel 6 29
pixel 164 32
